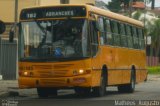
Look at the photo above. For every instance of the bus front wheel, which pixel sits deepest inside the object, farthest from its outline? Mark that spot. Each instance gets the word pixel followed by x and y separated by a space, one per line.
pixel 101 90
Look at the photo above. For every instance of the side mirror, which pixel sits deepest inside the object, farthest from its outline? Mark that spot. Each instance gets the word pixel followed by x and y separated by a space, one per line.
pixel 11 36
pixel 12 32
pixel 2 27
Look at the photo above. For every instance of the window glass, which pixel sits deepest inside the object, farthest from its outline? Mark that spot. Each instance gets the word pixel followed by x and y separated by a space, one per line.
pixel 129 36
pixel 109 33
pixel 54 40
pixel 116 36
pixel 123 35
pixel 101 24
pixel 102 30
pixel 135 38
pixel 141 39
pixel 94 36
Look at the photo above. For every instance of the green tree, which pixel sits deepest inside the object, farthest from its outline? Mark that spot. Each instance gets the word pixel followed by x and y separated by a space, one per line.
pixel 114 5
pixel 137 15
pixel 155 34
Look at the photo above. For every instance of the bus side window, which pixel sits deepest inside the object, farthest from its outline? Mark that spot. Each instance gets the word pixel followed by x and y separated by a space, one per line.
pixel 135 38
pixel 109 38
pixel 102 30
pixel 123 35
pixel 129 36
pixel 94 38
pixel 141 39
pixel 116 37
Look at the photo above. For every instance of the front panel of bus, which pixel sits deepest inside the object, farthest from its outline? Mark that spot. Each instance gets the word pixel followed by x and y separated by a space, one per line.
pixel 54 47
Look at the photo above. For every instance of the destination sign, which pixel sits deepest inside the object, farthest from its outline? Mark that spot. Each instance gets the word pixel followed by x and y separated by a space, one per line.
pixel 53 12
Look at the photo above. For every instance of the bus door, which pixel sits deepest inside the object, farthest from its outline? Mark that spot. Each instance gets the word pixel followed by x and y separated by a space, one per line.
pixel 95 52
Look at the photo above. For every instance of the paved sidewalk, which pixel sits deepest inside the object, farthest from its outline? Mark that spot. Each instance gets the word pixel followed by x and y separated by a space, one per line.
pixel 5 85
pixel 10 87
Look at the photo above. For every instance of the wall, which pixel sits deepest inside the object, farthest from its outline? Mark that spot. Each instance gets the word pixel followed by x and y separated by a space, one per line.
pixel 49 2
pixel 7 10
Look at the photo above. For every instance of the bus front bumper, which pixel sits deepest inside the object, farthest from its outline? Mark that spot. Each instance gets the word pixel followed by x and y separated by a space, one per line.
pixel 59 82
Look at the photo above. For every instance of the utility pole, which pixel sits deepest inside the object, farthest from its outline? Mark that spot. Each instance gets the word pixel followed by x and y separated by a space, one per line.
pixel 16 17
pixel 153 3
pixel 145 19
pixel 15 30
pixel 16 11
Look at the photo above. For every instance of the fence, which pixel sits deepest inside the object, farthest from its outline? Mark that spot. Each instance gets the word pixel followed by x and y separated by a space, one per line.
pixel 152 61
pixel 8 59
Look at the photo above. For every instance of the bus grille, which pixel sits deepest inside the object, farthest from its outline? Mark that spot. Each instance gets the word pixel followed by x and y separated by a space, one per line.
pixel 51 67
pixel 42 67
pixel 54 73
pixel 55 70
pixel 53 82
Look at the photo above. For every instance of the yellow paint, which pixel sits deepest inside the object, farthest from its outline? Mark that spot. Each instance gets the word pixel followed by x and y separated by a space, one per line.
pixel 118 60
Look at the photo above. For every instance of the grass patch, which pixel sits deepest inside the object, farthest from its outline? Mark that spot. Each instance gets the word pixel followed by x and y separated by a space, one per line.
pixel 154 70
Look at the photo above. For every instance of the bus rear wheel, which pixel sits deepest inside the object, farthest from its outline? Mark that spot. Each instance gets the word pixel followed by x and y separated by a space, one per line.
pixel 129 88
pixel 45 92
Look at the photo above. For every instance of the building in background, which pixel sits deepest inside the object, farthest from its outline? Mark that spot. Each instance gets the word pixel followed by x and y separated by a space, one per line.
pixel 138 5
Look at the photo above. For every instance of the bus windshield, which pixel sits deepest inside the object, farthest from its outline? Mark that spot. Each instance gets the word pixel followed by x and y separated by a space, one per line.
pixel 54 39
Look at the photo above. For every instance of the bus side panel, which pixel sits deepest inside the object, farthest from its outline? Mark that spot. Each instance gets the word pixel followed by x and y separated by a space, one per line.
pixel 122 61
pixel 108 58
pixel 114 77
pixel 125 58
pixel 96 74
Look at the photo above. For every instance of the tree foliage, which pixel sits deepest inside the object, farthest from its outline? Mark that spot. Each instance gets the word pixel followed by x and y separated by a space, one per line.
pixel 155 33
pixel 114 5
pixel 137 15
pixel 152 28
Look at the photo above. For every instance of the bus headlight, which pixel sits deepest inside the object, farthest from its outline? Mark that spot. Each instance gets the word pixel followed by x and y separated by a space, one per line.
pixel 25 73
pixel 81 71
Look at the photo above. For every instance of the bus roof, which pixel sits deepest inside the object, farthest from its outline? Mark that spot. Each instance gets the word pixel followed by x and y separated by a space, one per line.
pixel 115 16
pixel 99 11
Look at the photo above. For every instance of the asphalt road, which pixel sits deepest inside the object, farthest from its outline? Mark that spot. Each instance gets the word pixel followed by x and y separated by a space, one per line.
pixel 147 93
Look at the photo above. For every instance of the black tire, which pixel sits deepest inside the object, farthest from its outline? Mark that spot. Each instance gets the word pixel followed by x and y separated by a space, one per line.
pixel 45 92
pixel 129 88
pixel 82 91
pixel 101 90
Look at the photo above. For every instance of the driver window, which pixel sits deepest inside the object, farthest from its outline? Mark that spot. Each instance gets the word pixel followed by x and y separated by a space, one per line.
pixel 94 38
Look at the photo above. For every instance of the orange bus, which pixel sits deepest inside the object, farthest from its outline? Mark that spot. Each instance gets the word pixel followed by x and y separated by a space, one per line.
pixel 81 47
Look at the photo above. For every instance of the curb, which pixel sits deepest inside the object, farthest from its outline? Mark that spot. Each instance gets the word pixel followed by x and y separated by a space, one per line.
pixel 11 91
pixel 4 94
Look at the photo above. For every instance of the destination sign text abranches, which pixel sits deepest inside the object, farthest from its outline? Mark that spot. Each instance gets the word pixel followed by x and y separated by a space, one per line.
pixel 53 12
